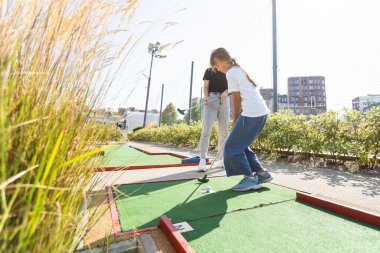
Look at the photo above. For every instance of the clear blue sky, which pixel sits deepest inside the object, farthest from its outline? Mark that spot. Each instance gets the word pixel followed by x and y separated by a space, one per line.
pixel 338 39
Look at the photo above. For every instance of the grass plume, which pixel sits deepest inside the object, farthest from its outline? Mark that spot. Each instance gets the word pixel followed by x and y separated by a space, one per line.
pixel 52 60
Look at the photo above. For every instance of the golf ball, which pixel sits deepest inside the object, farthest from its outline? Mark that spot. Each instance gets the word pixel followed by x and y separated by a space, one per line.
pixel 208 189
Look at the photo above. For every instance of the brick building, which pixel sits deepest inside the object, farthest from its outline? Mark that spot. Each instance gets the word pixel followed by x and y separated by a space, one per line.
pixel 307 94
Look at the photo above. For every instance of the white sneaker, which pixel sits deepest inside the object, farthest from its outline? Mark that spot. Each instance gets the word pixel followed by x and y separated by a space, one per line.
pixel 218 164
pixel 202 165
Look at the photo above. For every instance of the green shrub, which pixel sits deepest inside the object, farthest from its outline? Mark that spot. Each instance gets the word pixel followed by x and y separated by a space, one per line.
pixel 283 131
pixel 327 134
pixel 370 133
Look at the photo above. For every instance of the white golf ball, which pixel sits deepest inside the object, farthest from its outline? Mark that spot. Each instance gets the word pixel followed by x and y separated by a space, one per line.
pixel 208 189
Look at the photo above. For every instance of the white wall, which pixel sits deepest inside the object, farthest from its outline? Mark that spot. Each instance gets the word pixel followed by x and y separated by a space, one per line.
pixel 136 119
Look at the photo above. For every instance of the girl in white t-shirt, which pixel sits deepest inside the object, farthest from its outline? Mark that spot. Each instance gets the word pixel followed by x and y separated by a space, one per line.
pixel 249 118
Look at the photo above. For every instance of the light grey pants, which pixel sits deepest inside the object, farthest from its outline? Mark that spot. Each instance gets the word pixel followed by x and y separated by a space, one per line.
pixel 214 111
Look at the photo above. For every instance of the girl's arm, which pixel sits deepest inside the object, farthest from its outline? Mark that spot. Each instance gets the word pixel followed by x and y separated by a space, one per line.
pixel 205 91
pixel 236 101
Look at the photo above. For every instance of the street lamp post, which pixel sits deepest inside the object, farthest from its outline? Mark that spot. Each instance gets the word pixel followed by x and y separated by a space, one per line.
pixel 152 49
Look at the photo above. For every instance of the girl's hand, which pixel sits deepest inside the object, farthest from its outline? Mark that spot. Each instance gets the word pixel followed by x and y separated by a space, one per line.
pixel 206 101
pixel 224 95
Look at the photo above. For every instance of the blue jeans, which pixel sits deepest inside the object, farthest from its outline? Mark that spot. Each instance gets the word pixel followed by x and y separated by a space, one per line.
pixel 239 159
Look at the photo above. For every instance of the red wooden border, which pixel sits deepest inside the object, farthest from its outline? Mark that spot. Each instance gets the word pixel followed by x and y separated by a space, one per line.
pixel 175 237
pixel 152 166
pixel 159 153
pixel 352 212
pixel 115 218
pixel 114 215
pixel 144 167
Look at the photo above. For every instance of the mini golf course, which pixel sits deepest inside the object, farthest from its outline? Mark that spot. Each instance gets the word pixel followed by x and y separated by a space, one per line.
pixel 125 157
pixel 270 219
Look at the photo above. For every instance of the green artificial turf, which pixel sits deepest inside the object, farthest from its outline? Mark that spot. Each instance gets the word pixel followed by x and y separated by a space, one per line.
pixel 123 155
pixel 264 220
pixel 285 227
pixel 141 205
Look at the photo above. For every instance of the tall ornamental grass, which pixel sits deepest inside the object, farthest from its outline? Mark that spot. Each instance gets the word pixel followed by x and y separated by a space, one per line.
pixel 52 54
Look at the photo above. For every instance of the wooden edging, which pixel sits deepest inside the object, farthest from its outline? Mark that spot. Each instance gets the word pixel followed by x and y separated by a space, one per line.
pixel 144 167
pixel 325 156
pixel 352 212
pixel 116 228
pixel 175 237
pixel 114 215
pixel 159 153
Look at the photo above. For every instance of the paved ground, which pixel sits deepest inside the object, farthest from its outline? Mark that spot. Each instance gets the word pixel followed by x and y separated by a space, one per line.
pixel 357 189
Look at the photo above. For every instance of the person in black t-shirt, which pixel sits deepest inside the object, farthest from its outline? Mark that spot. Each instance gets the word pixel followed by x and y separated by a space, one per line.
pixel 216 106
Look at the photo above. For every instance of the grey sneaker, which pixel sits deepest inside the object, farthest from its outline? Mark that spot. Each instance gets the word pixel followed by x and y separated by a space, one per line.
pixel 246 184
pixel 264 177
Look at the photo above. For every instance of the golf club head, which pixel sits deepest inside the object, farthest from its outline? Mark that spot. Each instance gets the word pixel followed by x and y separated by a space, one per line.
pixel 203 179
pixel 181 111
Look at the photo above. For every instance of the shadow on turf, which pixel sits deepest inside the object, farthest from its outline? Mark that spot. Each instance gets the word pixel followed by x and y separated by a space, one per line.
pixel 208 206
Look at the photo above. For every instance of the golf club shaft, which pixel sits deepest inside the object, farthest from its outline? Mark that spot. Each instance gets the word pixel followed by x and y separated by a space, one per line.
pixel 218 154
pixel 204 178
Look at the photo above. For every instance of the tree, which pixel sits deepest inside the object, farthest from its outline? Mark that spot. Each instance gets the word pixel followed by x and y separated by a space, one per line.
pixel 195 111
pixel 169 115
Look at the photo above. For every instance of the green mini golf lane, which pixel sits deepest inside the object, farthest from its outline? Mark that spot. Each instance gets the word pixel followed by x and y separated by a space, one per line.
pixel 123 155
pixel 141 205
pixel 284 227
pixel 265 220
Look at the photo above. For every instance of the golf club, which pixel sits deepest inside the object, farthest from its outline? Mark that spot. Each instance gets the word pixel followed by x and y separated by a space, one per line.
pixel 204 179
pixel 182 111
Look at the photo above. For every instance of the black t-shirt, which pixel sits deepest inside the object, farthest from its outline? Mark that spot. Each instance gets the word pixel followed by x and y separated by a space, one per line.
pixel 217 80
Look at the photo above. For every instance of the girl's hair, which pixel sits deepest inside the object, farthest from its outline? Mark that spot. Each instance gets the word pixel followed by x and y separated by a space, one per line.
pixel 223 54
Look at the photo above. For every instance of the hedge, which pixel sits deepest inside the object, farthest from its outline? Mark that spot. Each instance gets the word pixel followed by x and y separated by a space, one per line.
pixel 351 135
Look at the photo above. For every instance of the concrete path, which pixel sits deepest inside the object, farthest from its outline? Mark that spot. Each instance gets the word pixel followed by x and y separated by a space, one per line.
pixel 358 189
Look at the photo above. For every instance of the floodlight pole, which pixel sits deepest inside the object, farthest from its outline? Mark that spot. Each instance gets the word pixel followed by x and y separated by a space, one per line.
pixel 147 92
pixel 162 96
pixel 152 49
pixel 200 102
pixel 191 91
pixel 274 37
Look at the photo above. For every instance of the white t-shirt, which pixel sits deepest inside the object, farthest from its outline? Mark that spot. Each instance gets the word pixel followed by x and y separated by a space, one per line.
pixel 253 105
